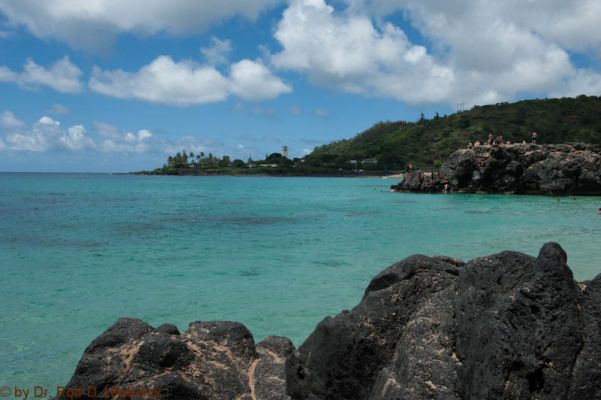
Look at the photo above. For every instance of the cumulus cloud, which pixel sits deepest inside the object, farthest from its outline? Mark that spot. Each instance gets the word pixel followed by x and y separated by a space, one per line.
pixel 579 82
pixel 77 139
pixel 348 52
pixel 163 81
pixel 9 121
pixel 62 76
pixel 218 52
pixel 252 80
pixel 481 51
pixel 47 134
pixel 495 52
pixel 119 141
pixel 116 140
pixel 186 83
pixel 572 25
pixel 93 24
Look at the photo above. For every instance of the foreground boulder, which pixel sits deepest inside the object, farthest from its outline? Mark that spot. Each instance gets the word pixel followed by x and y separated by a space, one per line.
pixel 554 169
pixel 211 360
pixel 506 326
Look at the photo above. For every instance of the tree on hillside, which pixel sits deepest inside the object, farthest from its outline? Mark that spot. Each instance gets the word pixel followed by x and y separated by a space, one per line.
pixel 225 161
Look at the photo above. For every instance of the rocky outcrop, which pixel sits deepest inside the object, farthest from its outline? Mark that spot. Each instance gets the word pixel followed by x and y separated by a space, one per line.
pixel 505 326
pixel 211 360
pixel 516 168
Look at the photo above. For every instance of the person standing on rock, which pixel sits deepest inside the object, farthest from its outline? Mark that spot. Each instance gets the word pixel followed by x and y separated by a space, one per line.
pixel 534 135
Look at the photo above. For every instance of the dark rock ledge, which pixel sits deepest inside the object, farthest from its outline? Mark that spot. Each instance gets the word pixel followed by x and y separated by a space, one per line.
pixel 549 169
pixel 505 326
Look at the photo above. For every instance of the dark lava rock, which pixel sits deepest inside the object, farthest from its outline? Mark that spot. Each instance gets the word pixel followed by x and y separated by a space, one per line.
pixel 420 182
pixel 211 360
pixel 505 326
pixel 169 329
pixel 560 169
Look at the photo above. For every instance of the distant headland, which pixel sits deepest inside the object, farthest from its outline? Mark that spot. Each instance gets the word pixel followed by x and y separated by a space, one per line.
pixel 388 148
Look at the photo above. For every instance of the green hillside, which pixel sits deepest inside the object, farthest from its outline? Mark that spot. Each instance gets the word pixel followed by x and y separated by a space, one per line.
pixel 428 142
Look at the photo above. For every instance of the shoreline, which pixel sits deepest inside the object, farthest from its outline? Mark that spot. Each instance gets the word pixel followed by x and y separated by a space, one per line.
pixel 274 175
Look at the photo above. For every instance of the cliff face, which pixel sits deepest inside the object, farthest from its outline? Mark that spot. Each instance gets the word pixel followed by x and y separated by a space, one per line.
pixel 517 168
pixel 506 326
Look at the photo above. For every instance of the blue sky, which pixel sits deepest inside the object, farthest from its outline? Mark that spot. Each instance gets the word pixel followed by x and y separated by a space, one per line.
pixel 104 86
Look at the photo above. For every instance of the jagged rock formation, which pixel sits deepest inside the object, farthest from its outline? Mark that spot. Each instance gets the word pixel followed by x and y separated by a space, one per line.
pixel 517 168
pixel 506 326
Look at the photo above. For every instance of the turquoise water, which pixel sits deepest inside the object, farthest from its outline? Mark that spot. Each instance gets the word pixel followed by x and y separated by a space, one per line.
pixel 79 251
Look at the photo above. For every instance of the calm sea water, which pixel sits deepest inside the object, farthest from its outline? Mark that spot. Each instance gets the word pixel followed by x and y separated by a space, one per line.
pixel 278 254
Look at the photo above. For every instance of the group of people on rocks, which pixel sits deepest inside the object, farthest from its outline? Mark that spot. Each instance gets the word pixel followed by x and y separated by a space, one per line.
pixel 491 141
pixel 498 141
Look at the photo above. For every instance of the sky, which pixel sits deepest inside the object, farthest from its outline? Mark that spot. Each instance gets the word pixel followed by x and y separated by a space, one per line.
pixel 116 86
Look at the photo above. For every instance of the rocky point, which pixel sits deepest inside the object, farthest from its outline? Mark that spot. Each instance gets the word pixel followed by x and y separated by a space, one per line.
pixel 553 169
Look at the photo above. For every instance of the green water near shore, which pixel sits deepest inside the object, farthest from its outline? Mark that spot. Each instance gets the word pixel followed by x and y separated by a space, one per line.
pixel 278 254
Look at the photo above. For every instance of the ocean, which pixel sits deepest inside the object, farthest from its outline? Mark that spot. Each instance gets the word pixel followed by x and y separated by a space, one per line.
pixel 78 251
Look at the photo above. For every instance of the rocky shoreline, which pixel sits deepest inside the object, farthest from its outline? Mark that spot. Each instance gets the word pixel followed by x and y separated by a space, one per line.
pixel 505 326
pixel 550 169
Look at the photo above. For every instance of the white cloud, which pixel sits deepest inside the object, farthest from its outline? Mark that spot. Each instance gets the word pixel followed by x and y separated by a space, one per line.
pixel 144 134
pixel 186 83
pixel 572 25
pixel 581 81
pixel 495 52
pixel 123 142
pixel 295 110
pixel 127 144
pixel 9 121
pixel 252 80
pixel 218 52
pixel 347 52
pixel 62 76
pixel 93 24
pixel 481 51
pixel 164 81
pixel 47 134
pixel 77 139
